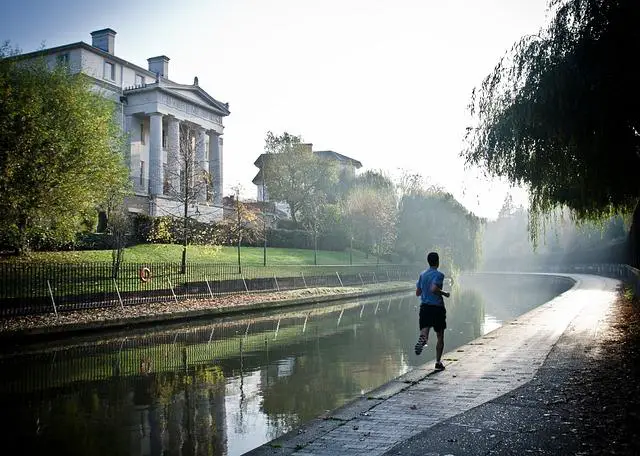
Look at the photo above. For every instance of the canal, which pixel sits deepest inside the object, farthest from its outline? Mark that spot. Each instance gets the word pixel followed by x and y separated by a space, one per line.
pixel 226 386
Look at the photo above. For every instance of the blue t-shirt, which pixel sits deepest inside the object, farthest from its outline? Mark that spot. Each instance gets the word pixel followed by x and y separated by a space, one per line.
pixel 427 278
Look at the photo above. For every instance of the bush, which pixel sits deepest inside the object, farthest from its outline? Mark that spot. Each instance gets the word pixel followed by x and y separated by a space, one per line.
pixel 287 224
pixel 292 239
pixel 301 239
pixel 334 240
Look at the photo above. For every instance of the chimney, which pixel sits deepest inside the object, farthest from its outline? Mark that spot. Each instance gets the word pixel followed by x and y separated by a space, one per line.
pixel 159 65
pixel 104 39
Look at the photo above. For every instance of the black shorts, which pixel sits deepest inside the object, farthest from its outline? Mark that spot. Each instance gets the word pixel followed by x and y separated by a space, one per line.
pixel 433 317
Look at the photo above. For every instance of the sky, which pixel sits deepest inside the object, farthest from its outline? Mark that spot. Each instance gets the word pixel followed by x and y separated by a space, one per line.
pixel 386 82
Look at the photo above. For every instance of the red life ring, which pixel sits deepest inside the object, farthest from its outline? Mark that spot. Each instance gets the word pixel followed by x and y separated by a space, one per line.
pixel 145 274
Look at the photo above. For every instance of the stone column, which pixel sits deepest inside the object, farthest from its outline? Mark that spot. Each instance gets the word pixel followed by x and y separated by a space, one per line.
pixel 128 122
pixel 173 156
pixel 200 182
pixel 155 155
pixel 215 166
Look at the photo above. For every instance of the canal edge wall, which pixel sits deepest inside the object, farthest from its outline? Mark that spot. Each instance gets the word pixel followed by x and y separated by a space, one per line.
pixel 61 332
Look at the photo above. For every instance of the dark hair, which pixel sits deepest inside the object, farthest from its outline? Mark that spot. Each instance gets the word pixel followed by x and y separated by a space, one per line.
pixel 433 259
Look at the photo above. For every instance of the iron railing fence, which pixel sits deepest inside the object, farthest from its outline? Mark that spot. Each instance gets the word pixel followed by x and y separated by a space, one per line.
pixel 35 288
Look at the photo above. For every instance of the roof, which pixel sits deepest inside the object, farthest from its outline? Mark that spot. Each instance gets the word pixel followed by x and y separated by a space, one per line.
pixel 257 180
pixel 166 86
pixel 322 153
pixel 222 107
pixel 339 157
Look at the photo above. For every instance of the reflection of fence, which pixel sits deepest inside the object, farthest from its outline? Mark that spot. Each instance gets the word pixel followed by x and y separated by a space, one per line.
pixel 180 349
pixel 30 288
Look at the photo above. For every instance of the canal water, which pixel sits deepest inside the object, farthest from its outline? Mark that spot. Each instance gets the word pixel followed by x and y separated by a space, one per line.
pixel 226 386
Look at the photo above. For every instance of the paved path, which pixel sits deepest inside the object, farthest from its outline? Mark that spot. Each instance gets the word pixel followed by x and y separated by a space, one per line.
pixel 394 418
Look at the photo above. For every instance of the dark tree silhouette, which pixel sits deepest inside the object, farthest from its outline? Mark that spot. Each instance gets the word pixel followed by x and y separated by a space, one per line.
pixel 559 113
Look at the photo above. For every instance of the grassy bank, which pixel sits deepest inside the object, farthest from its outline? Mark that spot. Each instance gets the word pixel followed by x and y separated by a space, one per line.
pixel 171 253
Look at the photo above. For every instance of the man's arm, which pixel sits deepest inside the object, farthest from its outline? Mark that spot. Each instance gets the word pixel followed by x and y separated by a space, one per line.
pixel 436 289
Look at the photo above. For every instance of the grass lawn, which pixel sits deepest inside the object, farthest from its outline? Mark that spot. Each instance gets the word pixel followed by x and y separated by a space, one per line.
pixel 200 254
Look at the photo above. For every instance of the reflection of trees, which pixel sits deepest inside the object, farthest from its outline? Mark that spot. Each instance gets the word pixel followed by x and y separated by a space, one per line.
pixel 193 400
pixel 78 423
pixel 179 413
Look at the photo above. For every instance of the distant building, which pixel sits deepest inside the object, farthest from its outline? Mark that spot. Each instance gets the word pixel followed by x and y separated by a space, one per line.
pixel 346 165
pixel 152 110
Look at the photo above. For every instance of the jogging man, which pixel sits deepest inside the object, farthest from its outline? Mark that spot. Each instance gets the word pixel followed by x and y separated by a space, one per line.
pixel 432 311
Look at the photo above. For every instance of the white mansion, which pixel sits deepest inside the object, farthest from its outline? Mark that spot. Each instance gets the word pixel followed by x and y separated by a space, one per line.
pixel 154 112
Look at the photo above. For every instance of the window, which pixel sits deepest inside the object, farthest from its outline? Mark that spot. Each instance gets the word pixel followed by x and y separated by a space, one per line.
pixel 139 80
pixel 109 71
pixel 164 138
pixel 142 132
pixel 166 187
pixel 63 59
pixel 141 173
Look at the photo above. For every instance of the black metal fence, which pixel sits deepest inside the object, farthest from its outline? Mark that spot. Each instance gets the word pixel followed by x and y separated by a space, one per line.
pixel 32 288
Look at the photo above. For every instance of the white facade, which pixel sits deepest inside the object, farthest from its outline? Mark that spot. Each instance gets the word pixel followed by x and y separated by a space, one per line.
pixel 156 113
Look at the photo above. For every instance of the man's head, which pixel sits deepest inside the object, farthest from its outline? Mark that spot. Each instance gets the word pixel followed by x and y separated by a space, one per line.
pixel 433 259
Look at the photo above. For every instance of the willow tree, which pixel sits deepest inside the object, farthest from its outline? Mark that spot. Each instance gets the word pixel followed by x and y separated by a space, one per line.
pixel 60 152
pixel 559 112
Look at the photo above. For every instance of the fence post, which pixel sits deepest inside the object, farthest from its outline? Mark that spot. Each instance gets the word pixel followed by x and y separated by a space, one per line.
pixel 304 327
pixel 246 289
pixel 53 301
pixel 339 279
pixel 209 287
pixel 172 292
pixel 118 291
pixel 276 281
pixel 277 329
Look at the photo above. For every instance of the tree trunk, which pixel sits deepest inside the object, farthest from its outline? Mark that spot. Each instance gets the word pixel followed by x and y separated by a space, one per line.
pixel 634 238
pixel 23 243
pixel 293 212
pixel 239 262
pixel 315 249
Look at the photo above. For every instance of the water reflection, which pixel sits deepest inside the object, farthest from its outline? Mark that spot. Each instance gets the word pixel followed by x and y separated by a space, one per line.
pixel 225 387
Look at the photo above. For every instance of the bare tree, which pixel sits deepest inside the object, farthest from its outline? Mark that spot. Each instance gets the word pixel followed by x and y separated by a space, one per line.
pixel 187 179
pixel 244 224
pixel 118 226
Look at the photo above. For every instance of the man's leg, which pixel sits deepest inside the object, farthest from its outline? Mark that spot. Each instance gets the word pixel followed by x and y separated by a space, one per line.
pixel 425 333
pixel 422 340
pixel 439 345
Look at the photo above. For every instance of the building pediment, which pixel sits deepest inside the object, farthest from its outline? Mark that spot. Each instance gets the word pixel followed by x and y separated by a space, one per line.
pixel 182 95
pixel 197 95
